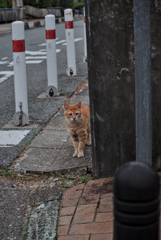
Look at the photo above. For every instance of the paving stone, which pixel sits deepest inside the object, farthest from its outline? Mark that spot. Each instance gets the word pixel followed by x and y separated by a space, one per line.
pixel 108 180
pixel 105 206
pixel 96 183
pixel 69 202
pixel 101 237
pixel 67 211
pixel 70 193
pixel 98 187
pixel 85 213
pixel 78 187
pixel 89 228
pixel 106 203
pixel 104 217
pixel 108 196
pixel 75 237
pixel 65 220
pixel 87 199
pixel 43 221
pixel 62 230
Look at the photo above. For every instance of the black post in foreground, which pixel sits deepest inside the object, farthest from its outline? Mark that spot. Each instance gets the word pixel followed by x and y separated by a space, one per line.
pixel 143 90
pixel 136 202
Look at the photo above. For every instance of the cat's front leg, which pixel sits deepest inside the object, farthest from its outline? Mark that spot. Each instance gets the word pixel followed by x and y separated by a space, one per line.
pixel 75 144
pixel 82 141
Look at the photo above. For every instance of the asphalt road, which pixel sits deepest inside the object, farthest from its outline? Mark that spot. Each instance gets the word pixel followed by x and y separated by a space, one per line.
pixel 36 72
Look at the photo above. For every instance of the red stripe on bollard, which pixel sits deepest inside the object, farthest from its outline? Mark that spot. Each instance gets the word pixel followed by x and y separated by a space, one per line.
pixel 84 19
pixel 50 34
pixel 68 24
pixel 18 45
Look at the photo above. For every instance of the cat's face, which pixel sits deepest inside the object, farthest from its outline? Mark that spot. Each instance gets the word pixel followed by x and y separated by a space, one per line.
pixel 73 113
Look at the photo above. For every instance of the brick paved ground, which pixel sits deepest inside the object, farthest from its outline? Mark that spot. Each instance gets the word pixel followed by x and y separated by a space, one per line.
pixel 87 212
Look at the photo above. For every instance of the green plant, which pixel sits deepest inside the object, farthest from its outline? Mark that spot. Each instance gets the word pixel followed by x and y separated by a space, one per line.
pixel 71 176
pixel 42 3
pixel 6 173
pixel 61 178
pixel 66 186
pixel 85 179
pixel 25 230
pixel 78 5
pixel 37 133
pixel 66 3
pixel 33 205
pixel 5 3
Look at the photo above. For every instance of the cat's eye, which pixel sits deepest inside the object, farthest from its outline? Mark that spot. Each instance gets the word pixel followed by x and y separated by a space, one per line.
pixel 76 114
pixel 70 114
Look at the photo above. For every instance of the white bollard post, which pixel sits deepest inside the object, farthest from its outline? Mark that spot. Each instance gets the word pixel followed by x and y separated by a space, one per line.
pixel 71 70
pixel 52 89
pixel 20 82
pixel 85 41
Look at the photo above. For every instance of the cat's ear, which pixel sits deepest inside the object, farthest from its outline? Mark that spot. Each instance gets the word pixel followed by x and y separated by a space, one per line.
pixel 66 106
pixel 79 105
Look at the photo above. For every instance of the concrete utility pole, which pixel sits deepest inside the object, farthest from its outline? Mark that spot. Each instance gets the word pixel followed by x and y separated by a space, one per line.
pixel 111 84
pixel 18 4
pixel 143 90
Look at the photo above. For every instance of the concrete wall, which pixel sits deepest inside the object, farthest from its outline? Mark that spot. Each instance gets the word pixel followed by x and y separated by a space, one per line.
pixel 28 10
pixel 42 12
pixel 111 68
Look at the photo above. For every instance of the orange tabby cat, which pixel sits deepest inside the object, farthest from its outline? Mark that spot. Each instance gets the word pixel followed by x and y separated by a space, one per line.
pixel 77 119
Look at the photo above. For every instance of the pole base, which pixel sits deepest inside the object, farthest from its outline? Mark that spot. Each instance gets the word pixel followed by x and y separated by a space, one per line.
pixel 85 59
pixel 51 91
pixel 71 72
pixel 20 119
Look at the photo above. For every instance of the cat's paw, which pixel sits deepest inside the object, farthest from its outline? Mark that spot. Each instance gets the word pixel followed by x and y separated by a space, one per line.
pixel 75 154
pixel 88 143
pixel 80 155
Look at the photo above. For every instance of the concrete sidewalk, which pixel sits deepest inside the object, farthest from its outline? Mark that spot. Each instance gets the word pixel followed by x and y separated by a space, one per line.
pixel 7 27
pixel 52 149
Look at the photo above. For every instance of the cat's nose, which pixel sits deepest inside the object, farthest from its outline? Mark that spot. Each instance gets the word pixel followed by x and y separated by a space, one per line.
pixel 74 118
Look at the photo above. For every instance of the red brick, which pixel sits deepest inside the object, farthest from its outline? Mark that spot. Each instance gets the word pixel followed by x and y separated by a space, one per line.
pixel 62 230
pixel 97 182
pixel 72 194
pixel 97 187
pixel 85 213
pixel 67 211
pixel 91 228
pixel 104 217
pixel 69 202
pixel 78 187
pixel 75 237
pixel 105 207
pixel 65 220
pixel 108 180
pixel 93 184
pixel 108 196
pixel 106 203
pixel 88 199
pixel 101 237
